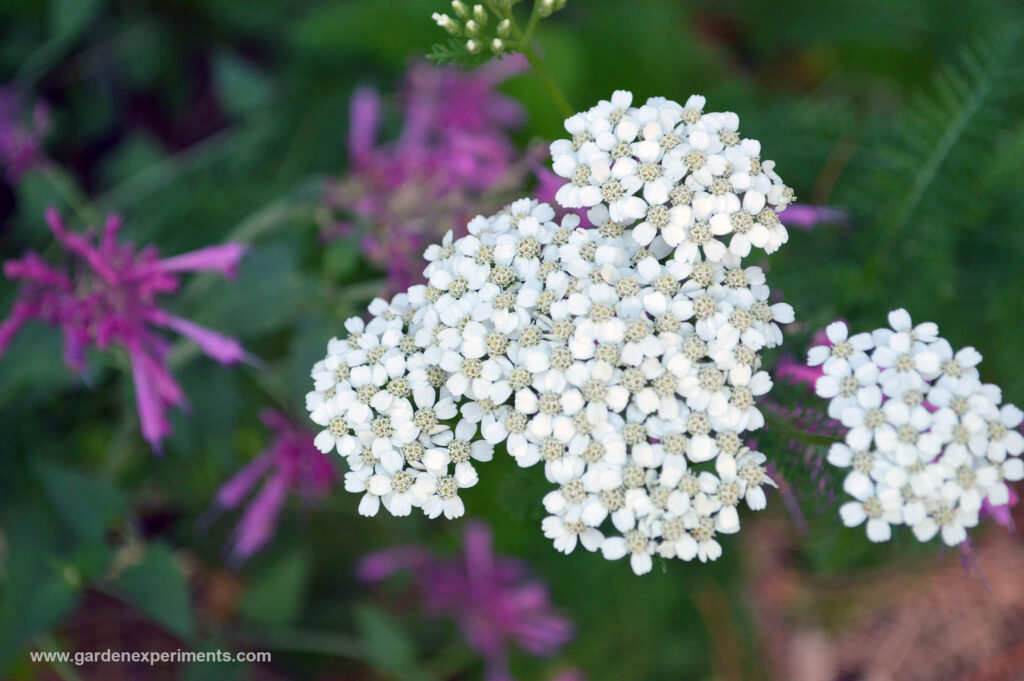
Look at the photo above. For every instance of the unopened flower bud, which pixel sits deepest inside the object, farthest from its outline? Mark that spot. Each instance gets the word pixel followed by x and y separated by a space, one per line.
pixel 549 7
pixel 460 9
pixel 474 46
pixel 504 28
pixel 472 28
pixel 480 15
pixel 497 46
pixel 447 23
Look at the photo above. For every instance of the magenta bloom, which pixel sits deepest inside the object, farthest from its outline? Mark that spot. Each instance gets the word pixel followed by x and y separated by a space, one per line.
pixel 105 294
pixel 807 217
pixel 489 597
pixel 451 160
pixel 797 372
pixel 290 465
pixel 21 138
pixel 1003 515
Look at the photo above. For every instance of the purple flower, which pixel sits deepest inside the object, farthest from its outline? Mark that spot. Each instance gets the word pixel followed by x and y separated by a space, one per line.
pixel 807 217
pixel 489 597
pixel 1003 515
pixel 105 294
pixel 290 465
pixel 796 371
pixel 21 139
pixel 452 159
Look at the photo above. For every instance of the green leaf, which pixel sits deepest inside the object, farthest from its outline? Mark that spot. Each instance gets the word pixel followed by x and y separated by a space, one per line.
pixel 89 505
pixel 455 52
pixel 28 369
pixel 268 294
pixel 342 259
pixel 924 181
pixel 157 587
pixel 276 595
pixel 342 29
pixel 240 86
pixel 37 586
pixel 68 18
pixel 389 647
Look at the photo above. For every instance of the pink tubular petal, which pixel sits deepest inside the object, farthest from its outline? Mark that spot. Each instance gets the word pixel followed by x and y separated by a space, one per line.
pixel 275 420
pixel 260 519
pixel 380 565
pixel 33 268
pixel 478 550
pixel 166 387
pixel 797 372
pixel 223 258
pixel 807 217
pixel 221 348
pixel 364 116
pixel 234 490
pixel 155 425
pixel 108 243
pixel 75 243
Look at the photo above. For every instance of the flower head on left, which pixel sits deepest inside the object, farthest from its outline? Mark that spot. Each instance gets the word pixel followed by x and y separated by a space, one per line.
pixel 105 294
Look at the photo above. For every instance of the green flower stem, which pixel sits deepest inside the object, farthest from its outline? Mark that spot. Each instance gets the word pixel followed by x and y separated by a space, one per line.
pixel 531 25
pixel 542 73
pixel 523 41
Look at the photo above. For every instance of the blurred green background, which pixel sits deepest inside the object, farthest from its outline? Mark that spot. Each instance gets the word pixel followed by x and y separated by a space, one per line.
pixel 200 121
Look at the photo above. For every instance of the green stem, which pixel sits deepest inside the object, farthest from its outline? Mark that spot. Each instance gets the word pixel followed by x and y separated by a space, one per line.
pixel 542 73
pixel 774 422
pixel 523 41
pixel 531 25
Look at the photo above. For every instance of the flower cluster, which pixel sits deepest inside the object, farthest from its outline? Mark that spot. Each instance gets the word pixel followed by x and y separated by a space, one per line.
pixel 625 362
pixel 106 294
pixel 290 464
pixel 687 176
pixel 452 156
pixel 928 442
pixel 469 26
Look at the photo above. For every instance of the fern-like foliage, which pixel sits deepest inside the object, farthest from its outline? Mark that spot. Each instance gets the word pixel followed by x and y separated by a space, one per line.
pixel 796 440
pixel 927 179
pixel 455 52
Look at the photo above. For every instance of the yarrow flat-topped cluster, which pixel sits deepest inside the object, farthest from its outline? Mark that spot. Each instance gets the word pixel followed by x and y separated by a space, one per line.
pixel 625 358
pixel 928 442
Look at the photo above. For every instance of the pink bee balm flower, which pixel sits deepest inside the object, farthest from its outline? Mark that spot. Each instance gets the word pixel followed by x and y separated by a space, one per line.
pixel 452 159
pixel 490 597
pixel 105 294
pixel 807 217
pixel 290 465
